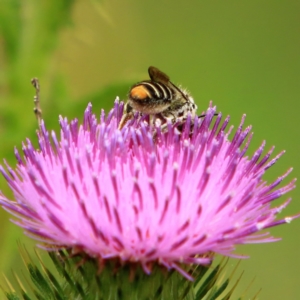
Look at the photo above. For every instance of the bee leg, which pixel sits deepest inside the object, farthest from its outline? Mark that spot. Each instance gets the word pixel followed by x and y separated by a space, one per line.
pixel 125 118
pixel 176 122
pixel 128 114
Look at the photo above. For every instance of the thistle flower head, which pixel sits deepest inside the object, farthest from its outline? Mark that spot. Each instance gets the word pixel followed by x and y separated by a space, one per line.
pixel 142 194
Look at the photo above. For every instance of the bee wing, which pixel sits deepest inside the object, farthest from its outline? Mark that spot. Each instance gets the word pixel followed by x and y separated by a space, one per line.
pixel 158 76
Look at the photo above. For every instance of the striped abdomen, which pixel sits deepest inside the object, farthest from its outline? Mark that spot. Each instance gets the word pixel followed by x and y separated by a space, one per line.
pixel 151 97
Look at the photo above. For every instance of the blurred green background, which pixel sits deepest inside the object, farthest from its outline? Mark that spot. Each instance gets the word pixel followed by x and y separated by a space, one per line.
pixel 243 55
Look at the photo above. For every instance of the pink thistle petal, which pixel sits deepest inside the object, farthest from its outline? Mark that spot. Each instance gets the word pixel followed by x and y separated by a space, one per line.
pixel 143 194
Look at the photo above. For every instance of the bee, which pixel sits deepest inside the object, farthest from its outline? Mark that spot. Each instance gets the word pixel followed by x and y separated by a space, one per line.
pixel 160 99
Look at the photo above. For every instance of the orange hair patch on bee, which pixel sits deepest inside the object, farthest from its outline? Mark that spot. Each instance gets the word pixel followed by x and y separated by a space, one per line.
pixel 139 93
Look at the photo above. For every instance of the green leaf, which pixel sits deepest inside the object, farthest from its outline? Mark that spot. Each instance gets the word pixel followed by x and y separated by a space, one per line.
pixel 12 296
pixel 39 281
pixel 217 291
pixel 77 276
pixel 208 283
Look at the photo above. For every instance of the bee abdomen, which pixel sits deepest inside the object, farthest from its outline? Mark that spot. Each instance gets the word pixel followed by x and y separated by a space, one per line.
pixel 145 90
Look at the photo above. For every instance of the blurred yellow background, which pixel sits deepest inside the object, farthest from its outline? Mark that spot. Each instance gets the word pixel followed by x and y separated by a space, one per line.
pixel 243 55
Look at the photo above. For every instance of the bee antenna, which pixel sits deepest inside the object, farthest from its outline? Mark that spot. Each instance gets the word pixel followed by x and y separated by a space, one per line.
pixel 36 99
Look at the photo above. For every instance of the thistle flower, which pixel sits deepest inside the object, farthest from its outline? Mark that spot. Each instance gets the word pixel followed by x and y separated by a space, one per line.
pixel 144 195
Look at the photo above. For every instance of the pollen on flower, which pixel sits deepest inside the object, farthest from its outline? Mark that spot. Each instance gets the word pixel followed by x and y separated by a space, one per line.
pixel 260 225
pixel 142 194
pixel 288 220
